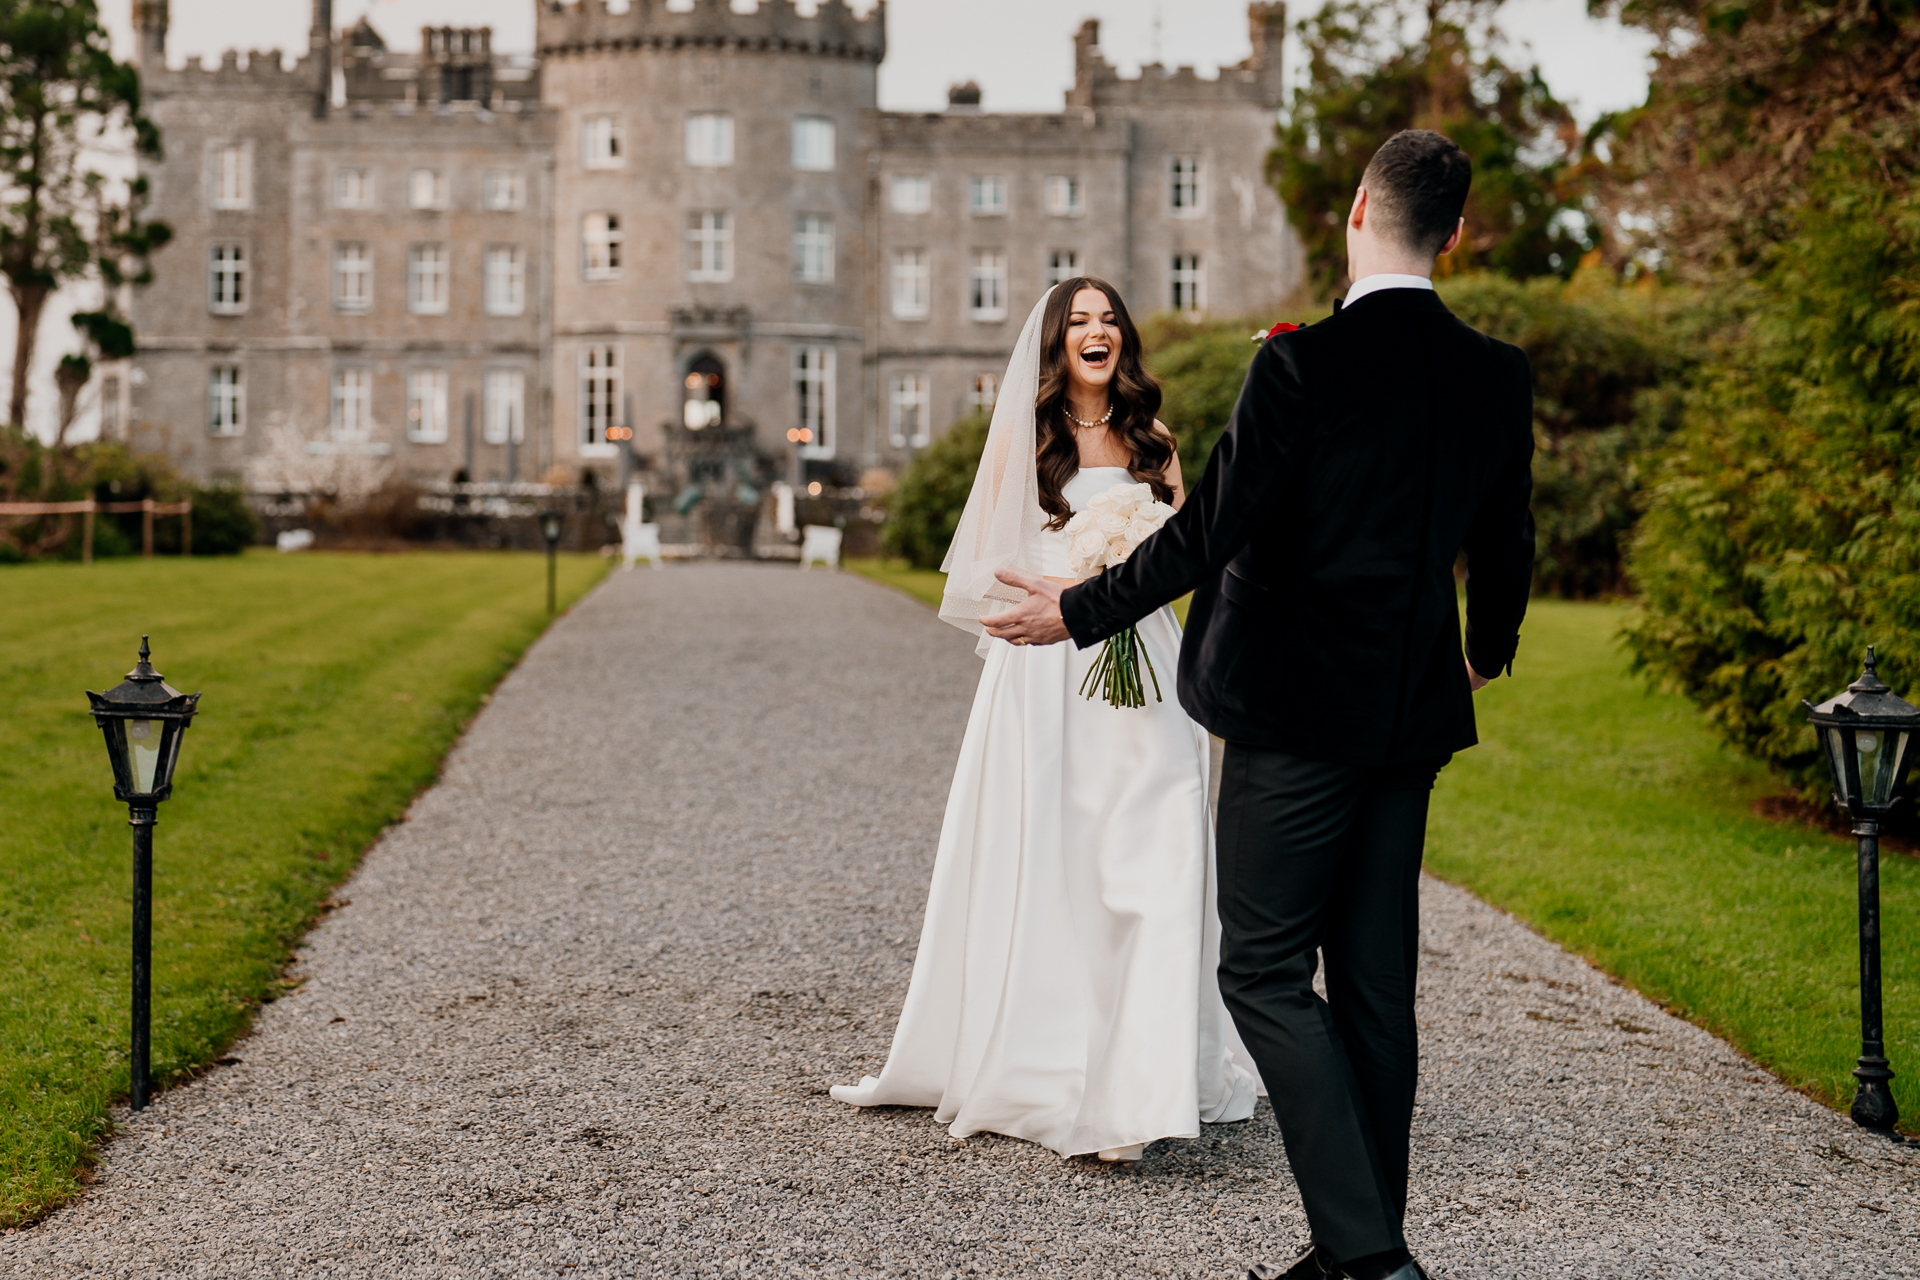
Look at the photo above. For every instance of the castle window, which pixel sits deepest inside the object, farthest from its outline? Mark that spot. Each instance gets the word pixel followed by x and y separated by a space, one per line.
pixel 352 404
pixel 599 394
pixel 504 189
pixel 427 279
pixel 986 195
pixel 352 189
pixel 226 401
pixel 912 193
pixel 227 279
pixel 812 142
pixel 506 280
pixel 602 143
pixel 710 139
pixel 908 408
pixel 506 412
pixel 426 189
pixel 813 249
pixel 1065 197
pixel 1062 265
pixel 110 408
pixel 352 277
pixel 600 246
pixel 813 389
pixel 987 285
pixel 1189 283
pixel 1183 195
pixel 984 391
pixel 232 186
pixel 427 406
pixel 911 281
pixel 709 247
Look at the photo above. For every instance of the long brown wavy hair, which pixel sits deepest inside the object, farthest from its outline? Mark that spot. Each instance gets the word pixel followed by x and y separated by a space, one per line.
pixel 1134 393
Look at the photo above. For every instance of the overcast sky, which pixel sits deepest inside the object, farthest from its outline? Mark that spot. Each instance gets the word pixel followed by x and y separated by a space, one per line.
pixel 1020 51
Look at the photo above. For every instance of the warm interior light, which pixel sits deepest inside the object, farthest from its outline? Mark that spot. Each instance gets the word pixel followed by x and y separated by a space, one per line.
pixel 693 380
pixel 814 489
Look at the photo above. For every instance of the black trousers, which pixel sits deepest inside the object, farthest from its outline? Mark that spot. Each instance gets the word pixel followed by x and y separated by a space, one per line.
pixel 1320 859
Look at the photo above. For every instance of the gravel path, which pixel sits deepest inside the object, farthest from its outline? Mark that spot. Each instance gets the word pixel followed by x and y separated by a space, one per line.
pixel 581 1012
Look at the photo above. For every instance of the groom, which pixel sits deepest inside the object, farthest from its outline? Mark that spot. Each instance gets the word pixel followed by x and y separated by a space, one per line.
pixel 1366 454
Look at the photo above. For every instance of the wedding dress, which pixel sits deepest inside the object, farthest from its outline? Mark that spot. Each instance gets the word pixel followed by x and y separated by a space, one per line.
pixel 1064 991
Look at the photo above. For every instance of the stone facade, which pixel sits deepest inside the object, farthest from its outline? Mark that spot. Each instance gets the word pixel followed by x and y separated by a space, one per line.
pixel 685 240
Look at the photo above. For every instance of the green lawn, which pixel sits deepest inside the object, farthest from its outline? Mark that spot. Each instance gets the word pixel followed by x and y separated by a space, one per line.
pixel 1610 820
pixel 333 686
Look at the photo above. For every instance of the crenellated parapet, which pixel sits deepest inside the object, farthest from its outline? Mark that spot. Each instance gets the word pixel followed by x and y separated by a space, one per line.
pixel 262 72
pixel 1256 81
pixel 775 26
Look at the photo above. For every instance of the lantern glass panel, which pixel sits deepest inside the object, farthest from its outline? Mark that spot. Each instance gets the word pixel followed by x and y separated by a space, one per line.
pixel 1837 754
pixel 143 751
pixel 1892 750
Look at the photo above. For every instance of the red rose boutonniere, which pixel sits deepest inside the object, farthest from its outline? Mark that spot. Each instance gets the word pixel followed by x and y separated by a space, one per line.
pixel 1282 327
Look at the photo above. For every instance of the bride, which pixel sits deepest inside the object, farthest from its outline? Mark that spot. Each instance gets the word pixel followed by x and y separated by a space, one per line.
pixel 1064 991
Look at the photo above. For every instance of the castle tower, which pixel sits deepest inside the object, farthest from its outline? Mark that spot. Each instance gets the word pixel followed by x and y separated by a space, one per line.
pixel 710 267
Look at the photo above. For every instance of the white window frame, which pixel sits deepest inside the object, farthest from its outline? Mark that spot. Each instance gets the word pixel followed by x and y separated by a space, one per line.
pixel 910 193
pixel 709 246
pixel 506 280
pixel 504 417
pixel 230 175
pixel 909 406
pixel 987 195
pixel 601 240
pixel 709 139
pixel 429 278
pixel 226 400
pixel 1187 281
pixel 353 187
pixel 1186 186
pixel 813 387
pixel 353 277
pixel 426 188
pixel 1066 195
pixel 813 248
pixel 912 284
pixel 427 406
pixel 813 143
pixel 351 414
pixel 1062 265
pixel 982 392
pixel 504 190
pixel 603 141
pixel 987 285
pixel 228 289
pixel 600 383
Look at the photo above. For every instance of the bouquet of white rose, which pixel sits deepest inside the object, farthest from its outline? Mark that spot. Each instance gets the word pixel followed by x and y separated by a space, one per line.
pixel 1105 534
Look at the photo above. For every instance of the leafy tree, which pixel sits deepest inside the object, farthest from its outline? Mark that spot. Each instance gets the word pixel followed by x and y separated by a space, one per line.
pixel 61 93
pixel 924 508
pixel 1369 76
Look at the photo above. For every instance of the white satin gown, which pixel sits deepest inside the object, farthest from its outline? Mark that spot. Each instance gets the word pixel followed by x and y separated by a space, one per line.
pixel 1064 991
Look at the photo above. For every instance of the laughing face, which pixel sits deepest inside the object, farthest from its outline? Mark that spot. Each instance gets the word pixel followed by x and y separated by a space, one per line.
pixel 1093 341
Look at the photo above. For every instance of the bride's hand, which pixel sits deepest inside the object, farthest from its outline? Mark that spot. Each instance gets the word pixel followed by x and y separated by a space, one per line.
pixel 1035 620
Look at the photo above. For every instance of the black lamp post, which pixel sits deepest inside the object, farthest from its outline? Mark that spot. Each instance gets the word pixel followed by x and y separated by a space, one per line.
pixel 143 720
pixel 1867 735
pixel 550 530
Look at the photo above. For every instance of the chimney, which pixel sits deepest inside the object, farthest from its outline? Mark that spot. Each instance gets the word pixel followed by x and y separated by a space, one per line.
pixel 320 46
pixel 150 19
pixel 963 97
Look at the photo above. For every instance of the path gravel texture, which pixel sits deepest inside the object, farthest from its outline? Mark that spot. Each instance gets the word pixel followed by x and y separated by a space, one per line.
pixel 581 1011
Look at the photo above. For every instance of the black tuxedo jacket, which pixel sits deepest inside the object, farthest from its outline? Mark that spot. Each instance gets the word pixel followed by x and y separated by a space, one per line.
pixel 1365 454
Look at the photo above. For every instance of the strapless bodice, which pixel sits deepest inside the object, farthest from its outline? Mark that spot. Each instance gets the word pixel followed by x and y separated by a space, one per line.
pixel 1087 484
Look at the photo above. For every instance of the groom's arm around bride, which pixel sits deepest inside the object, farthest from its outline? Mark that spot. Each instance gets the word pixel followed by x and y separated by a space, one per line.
pixel 1366 454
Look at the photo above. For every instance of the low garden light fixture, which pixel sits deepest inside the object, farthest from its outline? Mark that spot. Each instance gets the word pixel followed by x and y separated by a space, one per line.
pixel 143 719
pixel 1867 735
pixel 550 530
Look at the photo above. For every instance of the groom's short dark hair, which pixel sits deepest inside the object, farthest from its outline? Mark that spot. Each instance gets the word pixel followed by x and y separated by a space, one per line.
pixel 1416 186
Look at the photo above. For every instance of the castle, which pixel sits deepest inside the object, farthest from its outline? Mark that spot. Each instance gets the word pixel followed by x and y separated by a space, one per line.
pixel 679 238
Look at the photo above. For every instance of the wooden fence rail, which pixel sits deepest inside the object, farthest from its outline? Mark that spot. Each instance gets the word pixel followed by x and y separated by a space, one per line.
pixel 147 508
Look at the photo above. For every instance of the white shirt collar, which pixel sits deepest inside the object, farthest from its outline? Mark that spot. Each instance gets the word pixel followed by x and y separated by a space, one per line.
pixel 1384 280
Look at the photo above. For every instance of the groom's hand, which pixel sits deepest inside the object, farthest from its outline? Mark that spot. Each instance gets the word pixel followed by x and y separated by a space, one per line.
pixel 1035 620
pixel 1475 681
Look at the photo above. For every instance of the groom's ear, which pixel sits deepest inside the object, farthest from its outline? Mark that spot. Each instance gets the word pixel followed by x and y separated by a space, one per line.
pixel 1459 229
pixel 1358 215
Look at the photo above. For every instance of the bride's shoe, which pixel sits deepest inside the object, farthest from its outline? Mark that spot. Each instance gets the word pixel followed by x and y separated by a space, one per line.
pixel 1124 1155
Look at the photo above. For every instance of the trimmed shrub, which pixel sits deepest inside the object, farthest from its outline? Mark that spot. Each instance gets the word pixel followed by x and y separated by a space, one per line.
pixel 924 508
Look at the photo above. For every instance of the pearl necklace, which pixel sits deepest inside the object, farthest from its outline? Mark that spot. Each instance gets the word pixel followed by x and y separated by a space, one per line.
pixel 1100 421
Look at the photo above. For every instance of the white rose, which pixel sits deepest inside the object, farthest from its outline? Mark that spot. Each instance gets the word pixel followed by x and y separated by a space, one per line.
pixel 1138 494
pixel 1112 523
pixel 1142 527
pixel 1087 551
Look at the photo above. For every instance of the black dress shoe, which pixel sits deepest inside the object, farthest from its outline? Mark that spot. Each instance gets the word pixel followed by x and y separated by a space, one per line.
pixel 1308 1266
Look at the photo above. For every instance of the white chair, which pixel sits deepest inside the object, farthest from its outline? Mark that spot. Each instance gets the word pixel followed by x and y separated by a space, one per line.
pixel 822 543
pixel 640 542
